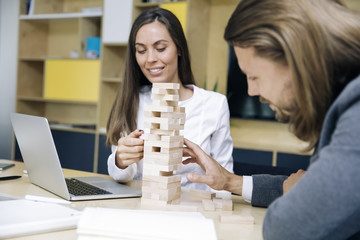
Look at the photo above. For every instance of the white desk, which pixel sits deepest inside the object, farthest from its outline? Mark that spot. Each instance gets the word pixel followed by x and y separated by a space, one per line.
pixel 22 186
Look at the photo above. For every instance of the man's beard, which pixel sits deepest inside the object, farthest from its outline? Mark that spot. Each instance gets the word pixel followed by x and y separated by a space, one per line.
pixel 281 115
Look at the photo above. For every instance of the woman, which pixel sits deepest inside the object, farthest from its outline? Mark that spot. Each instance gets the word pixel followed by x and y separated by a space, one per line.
pixel 158 52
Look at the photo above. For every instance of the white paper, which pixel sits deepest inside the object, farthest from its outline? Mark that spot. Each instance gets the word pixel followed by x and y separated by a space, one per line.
pixel 23 217
pixel 107 223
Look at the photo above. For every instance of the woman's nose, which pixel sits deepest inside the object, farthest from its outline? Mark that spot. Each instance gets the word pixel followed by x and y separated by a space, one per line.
pixel 151 57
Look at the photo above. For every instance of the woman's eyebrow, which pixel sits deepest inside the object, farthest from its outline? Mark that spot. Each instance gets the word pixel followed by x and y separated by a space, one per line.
pixel 154 44
pixel 160 41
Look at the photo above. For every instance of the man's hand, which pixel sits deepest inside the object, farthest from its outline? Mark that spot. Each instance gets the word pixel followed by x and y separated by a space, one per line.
pixel 216 176
pixel 292 180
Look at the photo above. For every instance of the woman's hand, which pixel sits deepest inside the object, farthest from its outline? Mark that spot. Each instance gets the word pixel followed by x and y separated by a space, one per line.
pixel 130 149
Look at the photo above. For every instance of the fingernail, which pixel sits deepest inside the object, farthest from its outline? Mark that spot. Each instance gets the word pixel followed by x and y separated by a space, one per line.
pixel 141 130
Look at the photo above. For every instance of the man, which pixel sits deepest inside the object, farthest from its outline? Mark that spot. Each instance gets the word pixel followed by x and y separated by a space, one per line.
pixel 303 57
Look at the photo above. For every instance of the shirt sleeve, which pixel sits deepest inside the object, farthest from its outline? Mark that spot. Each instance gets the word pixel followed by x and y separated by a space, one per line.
pixel 221 141
pixel 118 174
pixel 247 188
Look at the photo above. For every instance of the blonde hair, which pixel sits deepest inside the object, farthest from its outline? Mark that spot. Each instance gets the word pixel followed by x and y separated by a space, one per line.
pixel 319 40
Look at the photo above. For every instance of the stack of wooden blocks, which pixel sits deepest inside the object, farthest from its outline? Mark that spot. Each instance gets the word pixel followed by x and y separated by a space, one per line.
pixel 163 146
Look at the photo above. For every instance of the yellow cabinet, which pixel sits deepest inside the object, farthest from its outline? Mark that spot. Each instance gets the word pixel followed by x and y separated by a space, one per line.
pixel 73 80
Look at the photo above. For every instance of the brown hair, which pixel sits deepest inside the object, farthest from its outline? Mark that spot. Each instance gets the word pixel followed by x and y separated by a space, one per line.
pixel 319 40
pixel 123 115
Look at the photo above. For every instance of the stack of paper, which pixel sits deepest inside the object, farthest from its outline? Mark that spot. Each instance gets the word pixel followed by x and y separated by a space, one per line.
pixel 107 223
pixel 23 217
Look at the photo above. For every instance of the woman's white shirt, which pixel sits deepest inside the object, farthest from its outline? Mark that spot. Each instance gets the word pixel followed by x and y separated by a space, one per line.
pixel 207 124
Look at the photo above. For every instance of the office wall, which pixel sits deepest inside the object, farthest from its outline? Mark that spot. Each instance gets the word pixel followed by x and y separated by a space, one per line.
pixel 9 12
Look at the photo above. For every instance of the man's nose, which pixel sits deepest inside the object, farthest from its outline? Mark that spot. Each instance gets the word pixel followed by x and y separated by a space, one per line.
pixel 252 88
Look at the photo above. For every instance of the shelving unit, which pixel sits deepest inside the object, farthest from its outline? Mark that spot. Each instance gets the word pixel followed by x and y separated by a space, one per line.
pixel 57 30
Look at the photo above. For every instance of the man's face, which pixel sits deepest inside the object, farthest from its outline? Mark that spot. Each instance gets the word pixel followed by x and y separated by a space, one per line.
pixel 268 80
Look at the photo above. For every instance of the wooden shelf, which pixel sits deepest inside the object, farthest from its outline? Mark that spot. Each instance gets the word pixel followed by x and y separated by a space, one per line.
pixel 111 80
pixel 147 5
pixel 115 44
pixel 60 16
pixel 265 136
pixel 41 99
pixel 64 127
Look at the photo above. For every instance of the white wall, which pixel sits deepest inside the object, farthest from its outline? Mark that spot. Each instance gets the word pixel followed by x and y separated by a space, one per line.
pixel 9 12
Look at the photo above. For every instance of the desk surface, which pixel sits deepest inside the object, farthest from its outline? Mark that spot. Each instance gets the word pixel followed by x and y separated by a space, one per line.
pixel 22 186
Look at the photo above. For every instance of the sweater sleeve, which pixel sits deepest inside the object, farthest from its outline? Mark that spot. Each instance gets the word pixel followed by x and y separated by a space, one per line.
pixel 120 175
pixel 325 203
pixel 266 188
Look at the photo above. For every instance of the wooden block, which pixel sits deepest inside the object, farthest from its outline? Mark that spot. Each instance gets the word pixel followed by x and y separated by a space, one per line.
pixel 166 85
pixel 155 161
pixel 151 126
pixel 161 185
pixel 175 115
pixel 165 103
pixel 167 127
pixel 154 108
pixel 227 205
pixel 161 194
pixel 162 120
pixel 182 208
pixel 161 191
pixel 162 132
pixel 172 138
pixel 208 205
pixel 152 202
pixel 223 204
pixel 155 169
pixel 163 144
pixel 165 91
pixel 151 137
pixel 162 179
pixel 148 202
pixel 149 195
pixel 166 142
pixel 218 203
pixel 237 219
pixel 156 172
pixel 179 109
pixel 172 153
pixel 152 114
pixel 202 194
pixel 164 97
pixel 164 173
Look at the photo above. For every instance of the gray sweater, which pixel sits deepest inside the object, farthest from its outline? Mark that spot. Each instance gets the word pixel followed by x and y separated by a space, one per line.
pixel 325 203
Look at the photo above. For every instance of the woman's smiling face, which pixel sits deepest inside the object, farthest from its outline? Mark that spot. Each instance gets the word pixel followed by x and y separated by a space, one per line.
pixel 156 53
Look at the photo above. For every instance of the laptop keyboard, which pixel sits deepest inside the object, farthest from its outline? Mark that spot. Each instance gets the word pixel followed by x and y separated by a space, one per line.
pixel 79 188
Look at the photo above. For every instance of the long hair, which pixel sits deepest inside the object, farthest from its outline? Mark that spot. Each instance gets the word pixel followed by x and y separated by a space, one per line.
pixel 123 115
pixel 319 40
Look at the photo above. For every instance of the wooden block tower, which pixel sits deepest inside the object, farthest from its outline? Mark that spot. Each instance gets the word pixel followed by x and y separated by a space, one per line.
pixel 163 146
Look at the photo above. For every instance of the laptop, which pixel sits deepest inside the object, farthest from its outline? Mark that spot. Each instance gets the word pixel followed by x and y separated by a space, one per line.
pixel 44 169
